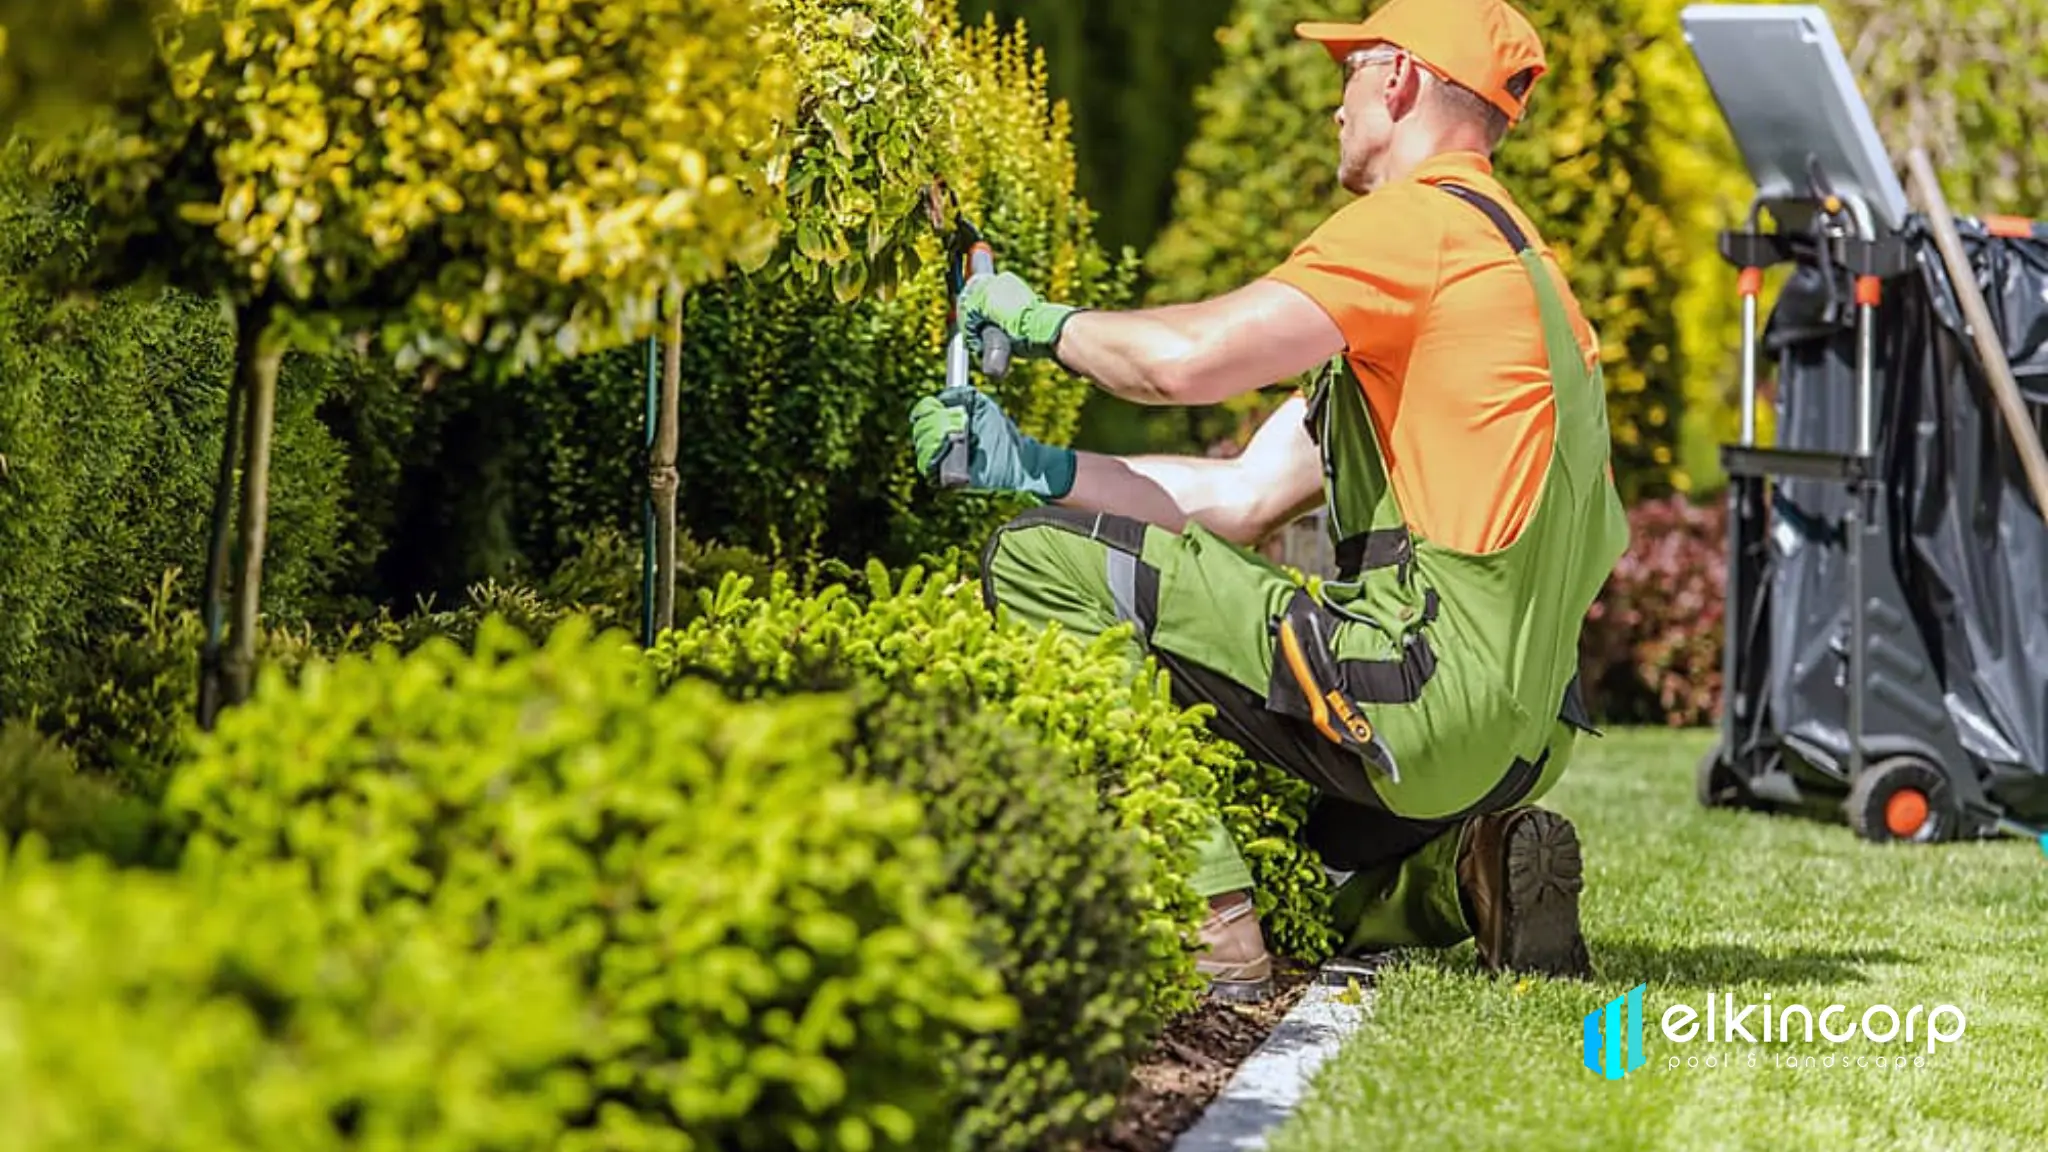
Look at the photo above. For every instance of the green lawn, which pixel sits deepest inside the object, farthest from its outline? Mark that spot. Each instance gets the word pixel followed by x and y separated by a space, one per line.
pixel 1694 902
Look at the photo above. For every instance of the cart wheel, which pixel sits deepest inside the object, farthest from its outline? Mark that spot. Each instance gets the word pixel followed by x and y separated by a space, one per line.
pixel 1903 799
pixel 1714 782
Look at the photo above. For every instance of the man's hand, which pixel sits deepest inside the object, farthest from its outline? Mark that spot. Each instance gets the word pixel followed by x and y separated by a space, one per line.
pixel 1001 459
pixel 1006 301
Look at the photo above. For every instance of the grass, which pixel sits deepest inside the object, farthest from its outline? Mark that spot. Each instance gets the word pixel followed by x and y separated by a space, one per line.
pixel 1692 902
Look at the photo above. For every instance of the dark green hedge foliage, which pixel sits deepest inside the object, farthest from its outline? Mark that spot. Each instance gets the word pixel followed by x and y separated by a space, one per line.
pixel 1059 889
pixel 762 940
pixel 1129 71
pixel 110 416
pixel 43 793
pixel 127 706
pixel 141 1012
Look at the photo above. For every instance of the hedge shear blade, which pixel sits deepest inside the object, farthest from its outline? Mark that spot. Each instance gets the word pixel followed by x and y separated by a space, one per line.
pixel 967 255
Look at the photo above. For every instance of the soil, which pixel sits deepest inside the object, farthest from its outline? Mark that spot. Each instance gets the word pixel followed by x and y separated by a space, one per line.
pixel 1191 1062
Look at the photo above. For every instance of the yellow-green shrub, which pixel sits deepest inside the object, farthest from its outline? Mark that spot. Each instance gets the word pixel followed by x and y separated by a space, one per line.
pixel 762 940
pixel 1152 762
pixel 795 403
pixel 877 89
pixel 42 46
pixel 796 406
pixel 1059 887
pixel 467 181
pixel 1600 165
pixel 1964 78
pixel 142 1012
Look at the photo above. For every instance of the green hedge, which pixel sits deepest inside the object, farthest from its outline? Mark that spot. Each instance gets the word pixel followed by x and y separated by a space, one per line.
pixel 127 706
pixel 762 940
pixel 1127 70
pixel 795 406
pixel 142 1012
pixel 1967 94
pixel 110 435
pixel 1154 763
pixel 1059 889
pixel 42 793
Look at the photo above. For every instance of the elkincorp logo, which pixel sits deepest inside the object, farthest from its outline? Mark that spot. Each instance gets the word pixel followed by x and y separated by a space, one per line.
pixel 1608 1050
pixel 1613 1040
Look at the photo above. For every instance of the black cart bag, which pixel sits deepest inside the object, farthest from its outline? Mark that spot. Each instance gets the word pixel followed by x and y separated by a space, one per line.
pixel 1887 624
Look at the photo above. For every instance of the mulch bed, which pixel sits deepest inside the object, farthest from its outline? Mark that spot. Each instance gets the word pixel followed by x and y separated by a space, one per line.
pixel 1191 1062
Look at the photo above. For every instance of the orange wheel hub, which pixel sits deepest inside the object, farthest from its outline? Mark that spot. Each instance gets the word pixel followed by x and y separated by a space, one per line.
pixel 1905 812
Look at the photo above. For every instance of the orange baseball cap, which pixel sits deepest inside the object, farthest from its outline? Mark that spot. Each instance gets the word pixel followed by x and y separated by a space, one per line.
pixel 1478 44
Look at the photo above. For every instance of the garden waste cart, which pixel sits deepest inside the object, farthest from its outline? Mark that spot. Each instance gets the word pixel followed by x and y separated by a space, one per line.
pixel 1886 629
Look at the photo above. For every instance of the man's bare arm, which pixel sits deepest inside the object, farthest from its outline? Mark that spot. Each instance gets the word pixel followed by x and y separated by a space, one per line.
pixel 1277 478
pixel 1202 353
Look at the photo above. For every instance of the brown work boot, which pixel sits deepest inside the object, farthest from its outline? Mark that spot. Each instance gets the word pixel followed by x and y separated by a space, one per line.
pixel 1234 957
pixel 1520 874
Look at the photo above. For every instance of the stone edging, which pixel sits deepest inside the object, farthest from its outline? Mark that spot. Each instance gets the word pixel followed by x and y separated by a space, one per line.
pixel 1269 1085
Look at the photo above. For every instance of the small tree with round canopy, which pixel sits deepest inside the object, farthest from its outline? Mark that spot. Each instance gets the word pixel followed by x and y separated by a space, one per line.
pixel 479 185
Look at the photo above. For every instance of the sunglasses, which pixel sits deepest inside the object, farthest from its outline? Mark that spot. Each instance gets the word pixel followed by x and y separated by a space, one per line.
pixel 1364 58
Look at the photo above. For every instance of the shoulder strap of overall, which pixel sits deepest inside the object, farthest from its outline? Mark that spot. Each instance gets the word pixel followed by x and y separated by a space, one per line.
pixel 1494 212
pixel 1581 406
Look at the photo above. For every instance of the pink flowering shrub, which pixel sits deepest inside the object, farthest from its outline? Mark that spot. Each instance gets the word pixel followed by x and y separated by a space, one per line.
pixel 1651 653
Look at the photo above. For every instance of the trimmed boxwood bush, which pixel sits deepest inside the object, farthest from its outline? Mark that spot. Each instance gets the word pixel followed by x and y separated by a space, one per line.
pixel 1153 763
pixel 141 1012
pixel 762 940
pixel 1058 886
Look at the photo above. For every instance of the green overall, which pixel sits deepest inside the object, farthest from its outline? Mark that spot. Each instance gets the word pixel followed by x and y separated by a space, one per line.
pixel 1422 686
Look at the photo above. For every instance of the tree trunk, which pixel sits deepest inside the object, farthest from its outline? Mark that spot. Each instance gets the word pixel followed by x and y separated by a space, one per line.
pixel 217 555
pixel 662 475
pixel 257 364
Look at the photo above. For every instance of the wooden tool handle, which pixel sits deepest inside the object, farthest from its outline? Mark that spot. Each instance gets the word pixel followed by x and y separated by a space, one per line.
pixel 1978 314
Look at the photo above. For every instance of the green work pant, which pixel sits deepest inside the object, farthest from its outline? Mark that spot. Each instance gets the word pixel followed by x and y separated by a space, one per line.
pixel 1091 572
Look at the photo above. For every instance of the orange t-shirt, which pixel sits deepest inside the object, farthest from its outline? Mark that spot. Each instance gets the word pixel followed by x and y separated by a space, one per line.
pixel 1442 327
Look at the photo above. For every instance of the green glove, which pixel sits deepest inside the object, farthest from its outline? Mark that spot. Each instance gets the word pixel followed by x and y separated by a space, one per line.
pixel 1000 458
pixel 1010 304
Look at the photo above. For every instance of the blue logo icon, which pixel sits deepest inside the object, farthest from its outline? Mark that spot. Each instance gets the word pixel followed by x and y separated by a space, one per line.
pixel 1609 1051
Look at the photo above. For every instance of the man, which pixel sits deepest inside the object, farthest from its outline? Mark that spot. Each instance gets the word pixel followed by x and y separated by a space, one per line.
pixel 1457 434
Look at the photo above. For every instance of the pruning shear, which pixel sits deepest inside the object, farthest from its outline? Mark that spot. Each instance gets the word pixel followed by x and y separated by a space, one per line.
pixel 967 255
